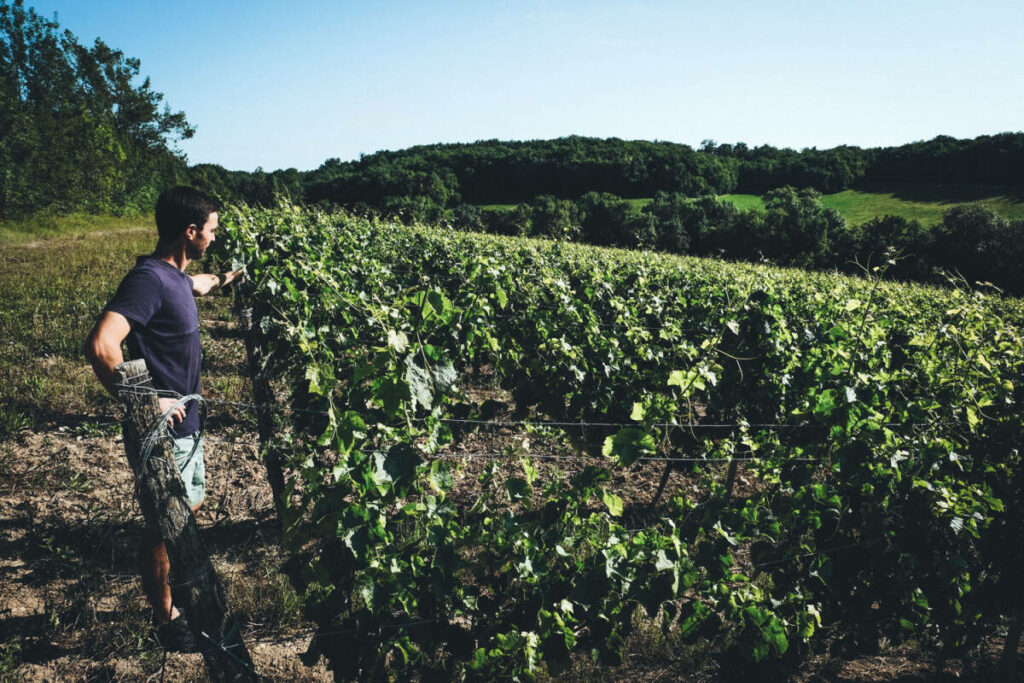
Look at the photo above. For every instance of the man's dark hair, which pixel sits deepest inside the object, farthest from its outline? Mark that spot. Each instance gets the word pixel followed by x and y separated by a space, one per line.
pixel 182 206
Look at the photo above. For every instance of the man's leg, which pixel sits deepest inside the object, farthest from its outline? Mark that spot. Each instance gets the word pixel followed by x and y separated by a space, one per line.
pixel 155 568
pixel 172 628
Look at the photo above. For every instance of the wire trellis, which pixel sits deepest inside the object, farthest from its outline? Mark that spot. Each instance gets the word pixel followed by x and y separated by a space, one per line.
pixel 538 424
pixel 544 423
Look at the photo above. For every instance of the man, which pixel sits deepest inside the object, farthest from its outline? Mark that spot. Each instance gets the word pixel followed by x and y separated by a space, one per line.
pixel 155 310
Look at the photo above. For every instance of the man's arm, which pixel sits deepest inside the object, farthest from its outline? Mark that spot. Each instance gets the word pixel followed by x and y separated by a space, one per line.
pixel 103 350
pixel 204 283
pixel 103 347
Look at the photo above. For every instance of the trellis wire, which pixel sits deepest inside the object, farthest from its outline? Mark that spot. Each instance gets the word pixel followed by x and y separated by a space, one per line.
pixel 546 456
pixel 556 423
pixel 153 435
pixel 799 556
pixel 528 424
pixel 227 651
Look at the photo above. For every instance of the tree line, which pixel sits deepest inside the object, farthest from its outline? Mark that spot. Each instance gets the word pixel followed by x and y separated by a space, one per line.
pixel 493 171
pixel 77 132
pixel 793 229
pixel 576 189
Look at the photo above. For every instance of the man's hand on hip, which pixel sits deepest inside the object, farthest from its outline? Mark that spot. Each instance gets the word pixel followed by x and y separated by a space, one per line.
pixel 179 412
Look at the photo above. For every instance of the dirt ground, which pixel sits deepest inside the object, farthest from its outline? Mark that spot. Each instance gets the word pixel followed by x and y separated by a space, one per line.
pixel 72 607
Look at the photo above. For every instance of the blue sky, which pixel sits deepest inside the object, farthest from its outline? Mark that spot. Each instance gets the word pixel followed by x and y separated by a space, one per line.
pixel 289 84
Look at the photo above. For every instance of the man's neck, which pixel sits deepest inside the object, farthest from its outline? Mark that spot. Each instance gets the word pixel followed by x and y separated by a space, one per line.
pixel 175 254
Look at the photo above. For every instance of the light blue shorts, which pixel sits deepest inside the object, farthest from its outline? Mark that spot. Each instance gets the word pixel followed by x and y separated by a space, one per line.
pixel 191 466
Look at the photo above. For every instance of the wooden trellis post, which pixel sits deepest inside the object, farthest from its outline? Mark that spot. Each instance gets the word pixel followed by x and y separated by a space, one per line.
pixel 263 395
pixel 197 590
pixel 1008 661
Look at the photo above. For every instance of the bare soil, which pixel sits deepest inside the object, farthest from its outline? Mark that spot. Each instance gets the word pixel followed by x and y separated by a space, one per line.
pixel 72 607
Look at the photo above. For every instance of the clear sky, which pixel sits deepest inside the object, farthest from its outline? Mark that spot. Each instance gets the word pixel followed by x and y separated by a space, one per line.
pixel 279 84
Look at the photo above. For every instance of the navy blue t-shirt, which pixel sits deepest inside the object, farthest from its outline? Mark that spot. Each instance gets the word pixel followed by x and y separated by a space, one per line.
pixel 157 300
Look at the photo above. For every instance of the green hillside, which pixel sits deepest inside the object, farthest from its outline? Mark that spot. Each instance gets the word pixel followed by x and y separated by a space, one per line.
pixel 922 202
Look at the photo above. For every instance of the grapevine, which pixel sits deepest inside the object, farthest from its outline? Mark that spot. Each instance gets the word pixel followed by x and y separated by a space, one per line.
pixel 881 423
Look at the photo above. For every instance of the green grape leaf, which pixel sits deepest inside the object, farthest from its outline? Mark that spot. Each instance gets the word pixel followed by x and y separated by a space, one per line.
pixel 441 476
pixel 629 445
pixel 826 403
pixel 613 502
pixel 444 375
pixel 420 388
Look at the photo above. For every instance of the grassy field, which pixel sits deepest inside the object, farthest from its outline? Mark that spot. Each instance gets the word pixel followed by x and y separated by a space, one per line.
pixel 914 201
pixel 47 227
pixel 51 292
pixel 924 203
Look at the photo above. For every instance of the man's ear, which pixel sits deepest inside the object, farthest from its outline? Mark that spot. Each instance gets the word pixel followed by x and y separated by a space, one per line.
pixel 191 231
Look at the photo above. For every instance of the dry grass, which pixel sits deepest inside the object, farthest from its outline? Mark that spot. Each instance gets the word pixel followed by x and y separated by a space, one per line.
pixel 32 231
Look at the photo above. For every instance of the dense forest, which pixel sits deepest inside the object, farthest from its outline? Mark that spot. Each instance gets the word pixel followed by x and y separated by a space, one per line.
pixel 429 178
pixel 79 132
pixel 576 189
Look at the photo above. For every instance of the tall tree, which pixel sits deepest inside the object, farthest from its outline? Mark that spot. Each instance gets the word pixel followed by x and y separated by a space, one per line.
pixel 77 129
